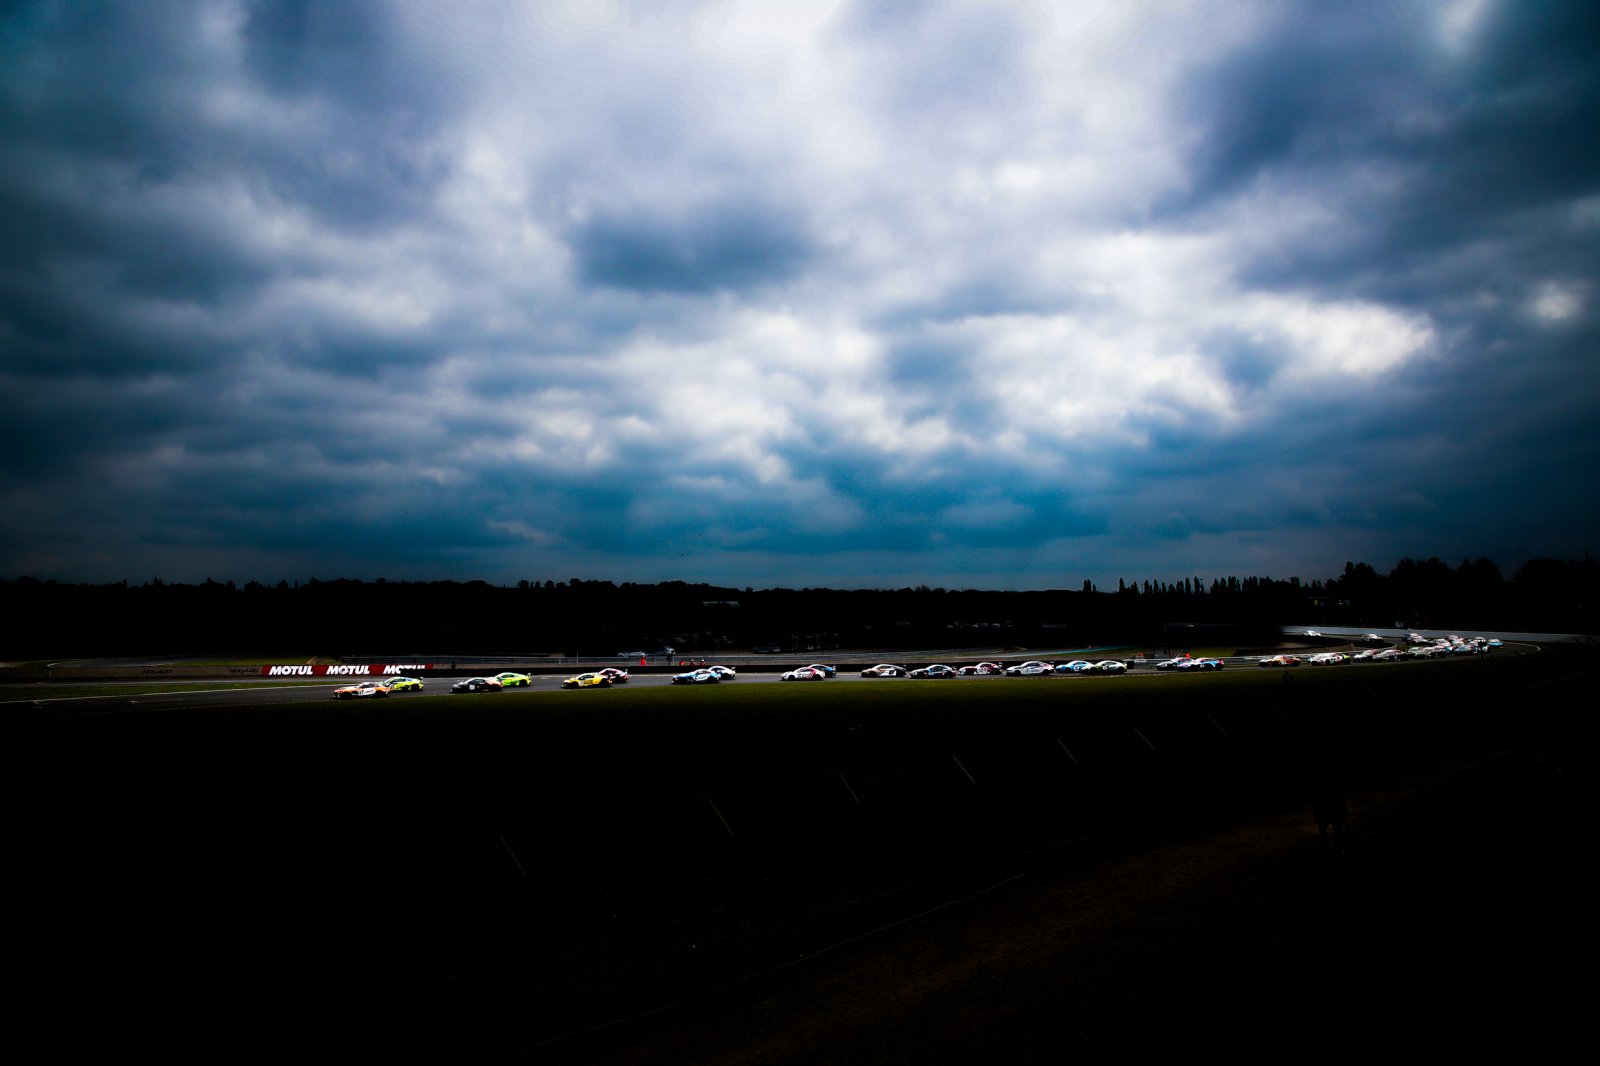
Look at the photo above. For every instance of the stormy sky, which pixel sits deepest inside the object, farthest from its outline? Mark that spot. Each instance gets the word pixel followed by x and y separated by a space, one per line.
pixel 1000 295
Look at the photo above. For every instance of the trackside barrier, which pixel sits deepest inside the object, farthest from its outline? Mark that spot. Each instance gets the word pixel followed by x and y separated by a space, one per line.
pixel 202 671
pixel 142 673
pixel 344 669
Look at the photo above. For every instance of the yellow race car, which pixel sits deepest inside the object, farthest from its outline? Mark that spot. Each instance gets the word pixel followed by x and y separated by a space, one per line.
pixel 593 679
pixel 403 684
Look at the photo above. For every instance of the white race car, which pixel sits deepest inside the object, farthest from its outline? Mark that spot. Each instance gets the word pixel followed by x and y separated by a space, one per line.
pixel 980 669
pixel 1031 668
pixel 1109 666
pixel 803 673
pixel 884 670
pixel 1187 664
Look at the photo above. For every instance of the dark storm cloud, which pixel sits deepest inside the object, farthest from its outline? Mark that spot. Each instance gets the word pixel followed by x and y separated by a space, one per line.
pixel 374 101
pixel 722 246
pixel 1430 145
pixel 92 105
pixel 298 46
pixel 1305 93
pixel 108 82
pixel 932 521
pixel 83 234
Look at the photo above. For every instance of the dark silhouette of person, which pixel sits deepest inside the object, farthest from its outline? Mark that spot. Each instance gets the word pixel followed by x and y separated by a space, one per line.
pixel 1329 812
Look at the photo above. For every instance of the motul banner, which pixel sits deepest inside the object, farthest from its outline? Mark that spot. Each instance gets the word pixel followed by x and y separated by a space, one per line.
pixel 343 670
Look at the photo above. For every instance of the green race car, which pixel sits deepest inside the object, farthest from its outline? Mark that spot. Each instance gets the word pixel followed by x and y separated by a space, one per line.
pixel 403 684
pixel 513 680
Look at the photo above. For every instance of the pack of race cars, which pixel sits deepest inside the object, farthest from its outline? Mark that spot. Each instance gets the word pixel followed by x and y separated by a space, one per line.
pixel 606 677
pixel 711 675
pixel 1420 648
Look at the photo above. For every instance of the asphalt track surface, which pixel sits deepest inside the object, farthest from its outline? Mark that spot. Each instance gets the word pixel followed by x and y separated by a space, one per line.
pixel 56 696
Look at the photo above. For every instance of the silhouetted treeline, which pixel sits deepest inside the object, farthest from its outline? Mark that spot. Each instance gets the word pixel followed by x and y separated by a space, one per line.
pixel 544 616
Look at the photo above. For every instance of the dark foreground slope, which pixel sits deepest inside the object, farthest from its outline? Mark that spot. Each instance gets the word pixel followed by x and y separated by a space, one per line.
pixel 1007 872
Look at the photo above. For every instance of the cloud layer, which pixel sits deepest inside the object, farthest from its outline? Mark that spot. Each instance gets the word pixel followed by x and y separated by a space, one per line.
pixel 1004 295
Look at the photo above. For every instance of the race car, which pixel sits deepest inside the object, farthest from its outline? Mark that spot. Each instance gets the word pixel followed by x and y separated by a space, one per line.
pixel 1031 668
pixel 981 669
pixel 589 679
pixel 1279 660
pixel 696 677
pixel 403 684
pixel 477 684
pixel 884 670
pixel 364 691
pixel 508 679
pixel 1109 666
pixel 1183 664
pixel 1076 666
pixel 617 675
pixel 827 671
pixel 804 673
pixel 1388 655
pixel 1327 658
pixel 936 670
pixel 724 673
